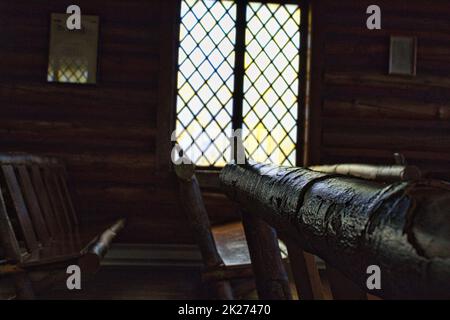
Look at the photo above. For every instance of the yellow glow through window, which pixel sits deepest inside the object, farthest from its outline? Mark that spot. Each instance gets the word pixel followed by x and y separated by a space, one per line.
pixel 206 81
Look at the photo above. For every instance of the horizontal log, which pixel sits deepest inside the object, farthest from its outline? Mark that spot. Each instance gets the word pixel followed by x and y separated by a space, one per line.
pixel 433 54
pixel 371 91
pixel 396 140
pixel 334 31
pixel 46 135
pixel 372 172
pixel 100 161
pixel 120 194
pixel 353 224
pixel 432 164
pixel 418 8
pixel 382 155
pixel 396 19
pixel 82 174
pixel 47 113
pixel 85 129
pixel 373 124
pixel 110 97
pixel 386 81
pixel 24 158
pixel 146 225
pixel 35 144
pixel 114 11
pixel 383 109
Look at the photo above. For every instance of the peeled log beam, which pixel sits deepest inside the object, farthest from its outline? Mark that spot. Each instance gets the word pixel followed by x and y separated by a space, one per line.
pixel 404 228
pixel 372 172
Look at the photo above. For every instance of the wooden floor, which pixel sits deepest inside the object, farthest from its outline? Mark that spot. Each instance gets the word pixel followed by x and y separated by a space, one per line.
pixel 125 283
pixel 143 283
pixel 135 283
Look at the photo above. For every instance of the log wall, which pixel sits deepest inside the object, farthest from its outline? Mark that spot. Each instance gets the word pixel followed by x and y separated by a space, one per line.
pixel 359 112
pixel 107 133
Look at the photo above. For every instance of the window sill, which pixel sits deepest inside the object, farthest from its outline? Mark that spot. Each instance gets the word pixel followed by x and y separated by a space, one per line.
pixel 208 179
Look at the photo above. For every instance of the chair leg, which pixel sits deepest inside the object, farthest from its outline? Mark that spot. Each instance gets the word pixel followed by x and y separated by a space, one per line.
pixel 306 274
pixel 271 279
pixel 244 289
pixel 24 288
pixel 342 288
pixel 223 290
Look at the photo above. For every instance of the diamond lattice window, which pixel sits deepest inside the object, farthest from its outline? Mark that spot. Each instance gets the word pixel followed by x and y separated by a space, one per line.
pixel 68 70
pixel 206 81
pixel 271 82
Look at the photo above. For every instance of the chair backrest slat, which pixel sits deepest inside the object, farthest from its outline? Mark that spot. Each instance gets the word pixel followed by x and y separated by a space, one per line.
pixel 36 191
pixel 33 204
pixel 305 272
pixel 21 209
pixel 343 288
pixel 41 191
pixel 65 211
pixel 56 200
pixel 8 237
pixel 62 178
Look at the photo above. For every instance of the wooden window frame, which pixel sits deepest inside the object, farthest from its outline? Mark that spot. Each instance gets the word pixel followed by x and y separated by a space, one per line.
pixel 167 114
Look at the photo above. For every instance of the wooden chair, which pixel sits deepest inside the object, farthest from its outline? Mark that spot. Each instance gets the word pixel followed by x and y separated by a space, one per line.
pixel 39 228
pixel 224 248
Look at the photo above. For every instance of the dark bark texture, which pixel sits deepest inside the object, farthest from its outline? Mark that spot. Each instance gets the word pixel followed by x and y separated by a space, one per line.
pixel 351 223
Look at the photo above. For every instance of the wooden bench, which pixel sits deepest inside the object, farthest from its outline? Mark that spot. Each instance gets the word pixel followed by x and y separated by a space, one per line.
pixel 39 228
